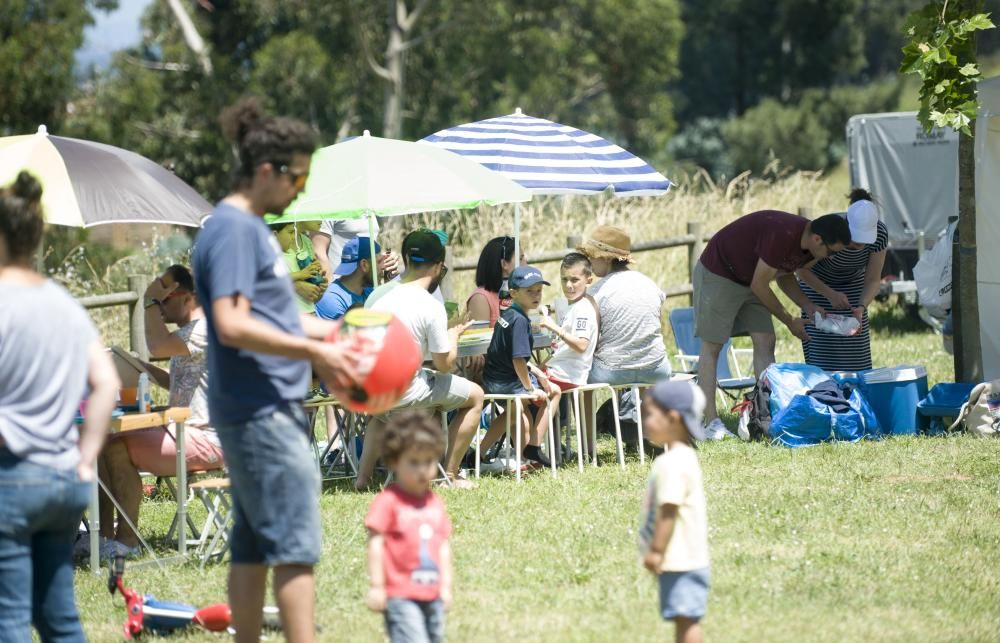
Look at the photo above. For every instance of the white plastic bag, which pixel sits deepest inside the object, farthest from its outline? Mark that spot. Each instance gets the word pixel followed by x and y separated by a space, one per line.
pixel 933 275
pixel 837 324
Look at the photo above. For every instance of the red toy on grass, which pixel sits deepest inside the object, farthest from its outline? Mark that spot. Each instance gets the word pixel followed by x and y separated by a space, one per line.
pixel 390 356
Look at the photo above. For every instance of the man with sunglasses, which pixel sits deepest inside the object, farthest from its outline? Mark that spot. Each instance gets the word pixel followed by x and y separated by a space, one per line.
pixel 170 299
pixel 732 287
pixel 436 388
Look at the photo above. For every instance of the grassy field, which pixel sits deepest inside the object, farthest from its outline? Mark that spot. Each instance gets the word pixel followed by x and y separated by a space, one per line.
pixel 897 540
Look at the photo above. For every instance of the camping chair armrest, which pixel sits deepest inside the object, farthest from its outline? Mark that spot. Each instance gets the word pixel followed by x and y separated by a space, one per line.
pixel 688 363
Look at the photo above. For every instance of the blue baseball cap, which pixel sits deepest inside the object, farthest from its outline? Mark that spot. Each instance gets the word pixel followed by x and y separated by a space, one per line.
pixel 685 398
pixel 526 277
pixel 354 251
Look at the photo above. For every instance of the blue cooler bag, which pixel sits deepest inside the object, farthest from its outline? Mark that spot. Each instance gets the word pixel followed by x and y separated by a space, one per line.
pixel 799 420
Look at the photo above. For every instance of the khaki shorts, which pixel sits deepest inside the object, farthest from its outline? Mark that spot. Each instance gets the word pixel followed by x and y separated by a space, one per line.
pixel 724 308
pixel 431 389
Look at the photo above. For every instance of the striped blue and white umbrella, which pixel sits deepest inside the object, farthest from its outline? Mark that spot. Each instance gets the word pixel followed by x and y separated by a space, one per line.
pixel 549 158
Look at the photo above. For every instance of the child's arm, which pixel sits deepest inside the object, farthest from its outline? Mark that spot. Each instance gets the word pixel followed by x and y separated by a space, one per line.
pixel 665 518
pixel 376 573
pixel 446 571
pixel 521 368
pixel 579 344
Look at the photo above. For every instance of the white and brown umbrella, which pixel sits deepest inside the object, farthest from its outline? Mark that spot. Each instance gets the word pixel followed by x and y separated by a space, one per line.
pixel 86 183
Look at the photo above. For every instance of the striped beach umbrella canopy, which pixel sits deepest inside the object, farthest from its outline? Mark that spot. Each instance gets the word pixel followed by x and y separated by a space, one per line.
pixel 86 183
pixel 549 158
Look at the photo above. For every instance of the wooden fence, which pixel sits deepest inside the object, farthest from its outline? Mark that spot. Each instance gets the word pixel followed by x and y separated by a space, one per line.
pixel 136 319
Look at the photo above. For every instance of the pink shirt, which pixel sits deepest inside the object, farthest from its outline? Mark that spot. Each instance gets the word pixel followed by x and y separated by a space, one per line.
pixel 413 529
pixel 492 298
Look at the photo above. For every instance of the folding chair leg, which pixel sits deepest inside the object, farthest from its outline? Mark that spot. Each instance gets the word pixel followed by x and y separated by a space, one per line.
pixel 618 429
pixel 593 428
pixel 551 438
pixel 517 437
pixel 638 415
pixel 444 431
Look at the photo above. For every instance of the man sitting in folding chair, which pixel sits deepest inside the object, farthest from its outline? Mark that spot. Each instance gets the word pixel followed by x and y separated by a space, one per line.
pixel 169 300
pixel 411 300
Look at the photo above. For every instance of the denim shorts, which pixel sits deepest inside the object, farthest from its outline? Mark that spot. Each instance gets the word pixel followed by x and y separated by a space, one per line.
pixel 40 510
pixel 602 374
pixel 414 621
pixel 275 486
pixel 514 387
pixel 684 594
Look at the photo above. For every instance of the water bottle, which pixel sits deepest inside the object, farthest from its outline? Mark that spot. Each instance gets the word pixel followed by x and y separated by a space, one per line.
pixel 142 394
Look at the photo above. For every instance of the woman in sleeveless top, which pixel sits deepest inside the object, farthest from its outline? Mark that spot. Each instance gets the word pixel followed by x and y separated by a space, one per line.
pixel 490 298
pixel 844 284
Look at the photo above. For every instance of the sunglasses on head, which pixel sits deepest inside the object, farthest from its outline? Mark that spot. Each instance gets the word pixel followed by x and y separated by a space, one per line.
pixel 298 178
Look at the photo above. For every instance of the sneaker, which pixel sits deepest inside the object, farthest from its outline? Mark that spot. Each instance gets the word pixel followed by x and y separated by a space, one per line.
pixel 716 430
pixel 535 455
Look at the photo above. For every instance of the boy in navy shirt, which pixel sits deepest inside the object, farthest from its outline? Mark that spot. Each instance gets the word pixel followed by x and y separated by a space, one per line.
pixel 508 371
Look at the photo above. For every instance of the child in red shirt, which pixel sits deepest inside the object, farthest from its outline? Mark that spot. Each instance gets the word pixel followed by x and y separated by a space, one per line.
pixel 409 558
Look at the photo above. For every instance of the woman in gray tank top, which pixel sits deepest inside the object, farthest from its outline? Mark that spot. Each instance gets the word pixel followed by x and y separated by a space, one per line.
pixel 50 354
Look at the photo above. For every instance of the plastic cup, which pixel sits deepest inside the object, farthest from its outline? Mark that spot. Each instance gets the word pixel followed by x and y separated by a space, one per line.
pixel 128 396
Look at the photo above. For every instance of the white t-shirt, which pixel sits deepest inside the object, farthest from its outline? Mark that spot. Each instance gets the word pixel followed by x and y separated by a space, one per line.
pixel 676 480
pixel 340 232
pixel 579 320
pixel 189 374
pixel 436 294
pixel 417 308
pixel 630 335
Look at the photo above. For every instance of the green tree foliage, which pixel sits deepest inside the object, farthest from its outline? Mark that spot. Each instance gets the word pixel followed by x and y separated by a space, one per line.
pixel 38 39
pixel 942 52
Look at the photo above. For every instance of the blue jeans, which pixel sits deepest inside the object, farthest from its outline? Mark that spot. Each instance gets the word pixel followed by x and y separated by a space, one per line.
pixel 40 510
pixel 275 488
pixel 414 621
pixel 601 374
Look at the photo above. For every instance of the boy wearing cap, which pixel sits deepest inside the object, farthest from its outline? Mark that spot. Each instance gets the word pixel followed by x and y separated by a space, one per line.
pixel 508 371
pixel 673 535
pixel 355 282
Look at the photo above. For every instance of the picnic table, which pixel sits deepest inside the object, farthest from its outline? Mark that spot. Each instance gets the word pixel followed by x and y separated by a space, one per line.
pixel 133 421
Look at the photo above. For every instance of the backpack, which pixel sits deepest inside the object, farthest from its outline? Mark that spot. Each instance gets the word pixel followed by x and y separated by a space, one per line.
pixel 975 413
pixel 755 412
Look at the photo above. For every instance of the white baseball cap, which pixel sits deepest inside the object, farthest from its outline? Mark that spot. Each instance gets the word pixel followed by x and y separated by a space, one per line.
pixel 862 218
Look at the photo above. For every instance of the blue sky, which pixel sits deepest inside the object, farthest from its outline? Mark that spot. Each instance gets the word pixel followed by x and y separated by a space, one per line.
pixel 111 32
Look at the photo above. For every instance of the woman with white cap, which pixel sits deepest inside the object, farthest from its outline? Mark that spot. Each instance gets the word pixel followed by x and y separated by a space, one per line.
pixel 844 284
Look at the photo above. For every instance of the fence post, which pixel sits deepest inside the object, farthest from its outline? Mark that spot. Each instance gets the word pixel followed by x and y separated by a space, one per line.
pixel 804 211
pixel 137 317
pixel 694 250
pixel 447 285
pixel 573 240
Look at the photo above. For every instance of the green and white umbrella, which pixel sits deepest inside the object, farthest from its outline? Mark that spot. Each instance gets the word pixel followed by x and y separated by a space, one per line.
pixel 86 183
pixel 370 176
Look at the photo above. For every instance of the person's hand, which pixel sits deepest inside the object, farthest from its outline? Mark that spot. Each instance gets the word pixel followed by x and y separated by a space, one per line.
pixel 309 291
pixel 548 323
pixel 381 403
pixel 157 290
pixel 653 561
pixel 839 300
pixel 859 314
pixel 798 327
pixel 85 471
pixel 811 309
pixel 376 599
pixel 315 269
pixel 336 365
pixel 446 597
pixel 538 396
pixel 388 265
pixel 457 330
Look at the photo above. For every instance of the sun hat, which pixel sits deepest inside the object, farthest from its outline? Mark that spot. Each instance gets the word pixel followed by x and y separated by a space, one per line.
pixel 354 251
pixel 608 242
pixel 862 218
pixel 685 398
pixel 526 277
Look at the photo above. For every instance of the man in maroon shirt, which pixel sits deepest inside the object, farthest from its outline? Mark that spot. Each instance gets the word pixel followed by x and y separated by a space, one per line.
pixel 732 287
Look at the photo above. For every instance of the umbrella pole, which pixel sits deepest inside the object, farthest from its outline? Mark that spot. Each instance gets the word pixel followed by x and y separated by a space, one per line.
pixel 371 245
pixel 517 235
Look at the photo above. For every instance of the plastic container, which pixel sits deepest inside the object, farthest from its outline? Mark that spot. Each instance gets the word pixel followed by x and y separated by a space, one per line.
pixel 143 398
pixel 894 394
pixel 945 399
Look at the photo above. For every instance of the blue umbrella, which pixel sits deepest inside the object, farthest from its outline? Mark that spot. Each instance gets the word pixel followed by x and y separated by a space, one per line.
pixel 549 158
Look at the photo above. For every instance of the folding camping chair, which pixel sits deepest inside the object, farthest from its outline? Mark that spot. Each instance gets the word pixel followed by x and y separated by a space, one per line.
pixel 689 348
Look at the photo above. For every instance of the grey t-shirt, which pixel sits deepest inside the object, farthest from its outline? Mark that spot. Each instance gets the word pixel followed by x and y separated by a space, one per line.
pixel 45 336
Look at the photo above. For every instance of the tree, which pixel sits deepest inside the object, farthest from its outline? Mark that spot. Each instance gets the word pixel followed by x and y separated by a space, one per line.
pixel 942 52
pixel 38 39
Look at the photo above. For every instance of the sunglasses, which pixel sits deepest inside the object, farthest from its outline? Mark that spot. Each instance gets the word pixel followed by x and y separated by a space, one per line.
pixel 444 271
pixel 298 178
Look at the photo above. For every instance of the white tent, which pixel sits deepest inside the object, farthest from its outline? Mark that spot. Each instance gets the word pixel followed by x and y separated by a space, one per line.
pixel 988 223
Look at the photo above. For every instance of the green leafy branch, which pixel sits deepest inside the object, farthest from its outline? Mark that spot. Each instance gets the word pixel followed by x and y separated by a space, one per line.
pixel 942 51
